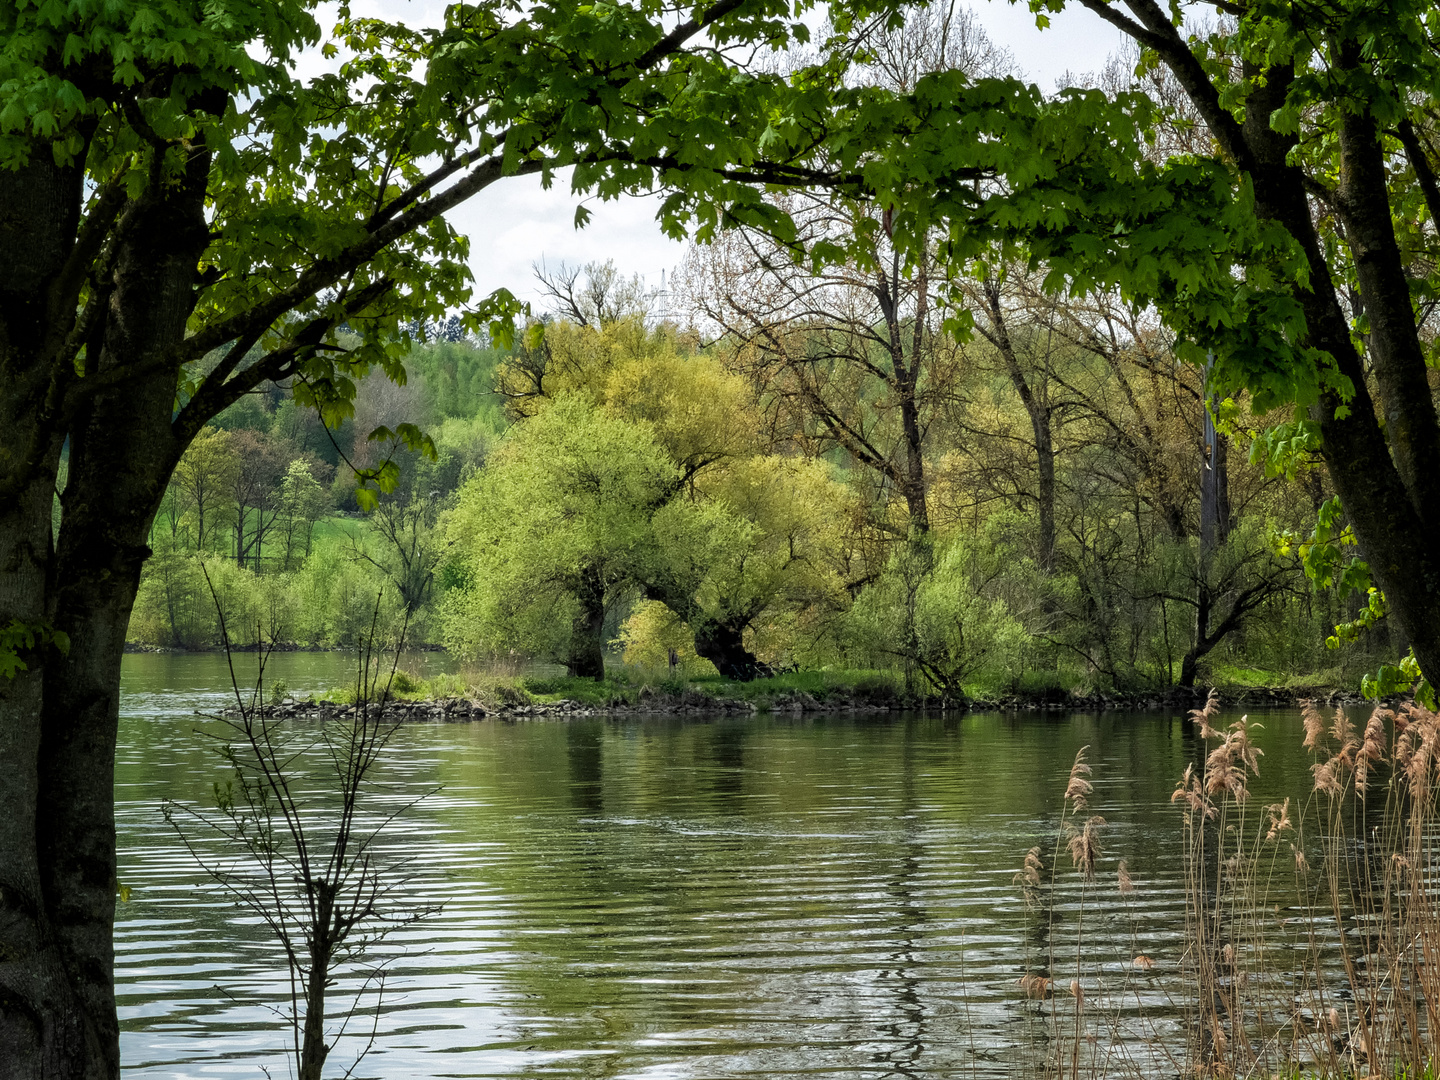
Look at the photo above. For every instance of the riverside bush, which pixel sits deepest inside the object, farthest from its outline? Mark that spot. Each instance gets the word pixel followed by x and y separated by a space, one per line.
pixel 327 603
pixel 948 621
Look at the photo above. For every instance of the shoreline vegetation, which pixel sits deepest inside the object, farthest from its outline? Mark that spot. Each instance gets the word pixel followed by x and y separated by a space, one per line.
pixel 473 696
pixel 621 496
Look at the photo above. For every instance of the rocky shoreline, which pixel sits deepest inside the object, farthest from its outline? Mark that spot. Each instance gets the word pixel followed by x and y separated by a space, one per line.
pixel 650 702
pixel 1175 697
pixel 255 647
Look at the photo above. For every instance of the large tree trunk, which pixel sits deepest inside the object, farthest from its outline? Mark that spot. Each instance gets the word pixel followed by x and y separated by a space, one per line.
pixel 723 644
pixel 114 489
pixel 123 451
pixel 57 1011
pixel 1386 487
pixel 586 659
pixel 1392 498
pixel 47 1028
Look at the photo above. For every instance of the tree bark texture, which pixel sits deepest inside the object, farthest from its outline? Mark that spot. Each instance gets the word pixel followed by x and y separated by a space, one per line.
pixel 1039 415
pixel 58 731
pixel 46 1026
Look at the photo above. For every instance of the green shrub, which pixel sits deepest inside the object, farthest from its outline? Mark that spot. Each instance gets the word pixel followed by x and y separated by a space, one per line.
pixel 943 611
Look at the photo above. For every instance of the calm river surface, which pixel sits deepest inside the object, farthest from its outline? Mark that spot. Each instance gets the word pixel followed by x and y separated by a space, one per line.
pixel 824 896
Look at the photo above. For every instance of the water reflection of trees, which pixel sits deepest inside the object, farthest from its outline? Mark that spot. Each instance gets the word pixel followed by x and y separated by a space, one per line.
pixel 769 893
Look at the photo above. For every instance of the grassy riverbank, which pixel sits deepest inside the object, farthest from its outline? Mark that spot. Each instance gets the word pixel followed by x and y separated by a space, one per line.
pixel 626 688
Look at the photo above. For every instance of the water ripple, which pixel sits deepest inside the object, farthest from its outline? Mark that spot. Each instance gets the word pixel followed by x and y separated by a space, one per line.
pixel 756 897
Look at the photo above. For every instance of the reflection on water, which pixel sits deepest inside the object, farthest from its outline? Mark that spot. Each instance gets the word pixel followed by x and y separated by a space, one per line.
pixel 682 898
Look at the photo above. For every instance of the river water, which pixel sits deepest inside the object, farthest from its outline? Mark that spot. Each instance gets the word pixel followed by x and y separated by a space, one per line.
pixel 819 896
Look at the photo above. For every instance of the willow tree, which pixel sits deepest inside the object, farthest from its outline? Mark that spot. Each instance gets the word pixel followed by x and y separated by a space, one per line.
pixel 547 533
pixel 637 469
pixel 183 219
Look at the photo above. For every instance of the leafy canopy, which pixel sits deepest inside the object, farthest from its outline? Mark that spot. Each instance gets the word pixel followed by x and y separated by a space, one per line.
pixel 325 197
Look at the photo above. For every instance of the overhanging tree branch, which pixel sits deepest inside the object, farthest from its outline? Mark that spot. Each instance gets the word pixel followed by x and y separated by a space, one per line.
pixel 218 392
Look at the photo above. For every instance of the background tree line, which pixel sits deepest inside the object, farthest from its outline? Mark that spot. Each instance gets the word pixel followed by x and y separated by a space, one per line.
pixel 1021 504
pixel 815 471
pixel 265 499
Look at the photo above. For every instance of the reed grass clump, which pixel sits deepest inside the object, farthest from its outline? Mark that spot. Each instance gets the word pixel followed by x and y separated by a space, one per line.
pixel 1311 943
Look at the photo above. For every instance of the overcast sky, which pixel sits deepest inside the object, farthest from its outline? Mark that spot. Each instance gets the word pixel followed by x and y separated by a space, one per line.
pixel 514 223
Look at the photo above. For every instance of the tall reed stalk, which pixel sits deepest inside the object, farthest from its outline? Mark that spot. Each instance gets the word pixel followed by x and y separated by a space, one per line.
pixel 1375 816
pixel 1312 927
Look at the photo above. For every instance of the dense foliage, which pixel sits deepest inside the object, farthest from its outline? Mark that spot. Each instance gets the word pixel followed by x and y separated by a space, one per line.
pixel 618 491
pixel 260 522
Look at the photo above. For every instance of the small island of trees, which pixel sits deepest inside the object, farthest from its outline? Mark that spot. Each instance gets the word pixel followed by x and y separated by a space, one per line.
pixel 839 482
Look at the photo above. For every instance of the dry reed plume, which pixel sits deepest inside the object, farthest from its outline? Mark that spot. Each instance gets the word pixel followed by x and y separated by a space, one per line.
pixel 1083 842
pixel 1312 931
pixel 1078 789
pixel 1363 984
pixel 1209 712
